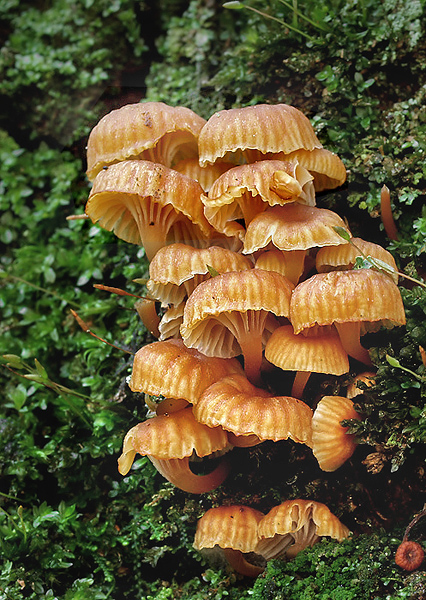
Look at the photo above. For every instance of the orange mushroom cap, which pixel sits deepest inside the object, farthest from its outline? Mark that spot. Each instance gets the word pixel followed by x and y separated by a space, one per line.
pixel 326 167
pixel 293 227
pixel 322 353
pixel 342 257
pixel 169 440
pixel 230 528
pixel 147 203
pixel 331 444
pixel 247 190
pixel 144 130
pixel 238 406
pixel 177 269
pixel 294 525
pixel 347 299
pixel 171 369
pixel 207 175
pixel 249 133
pixel 228 315
pixel 290 263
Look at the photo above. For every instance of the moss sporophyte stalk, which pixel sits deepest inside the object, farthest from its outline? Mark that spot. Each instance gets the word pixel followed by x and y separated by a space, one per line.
pixel 250 282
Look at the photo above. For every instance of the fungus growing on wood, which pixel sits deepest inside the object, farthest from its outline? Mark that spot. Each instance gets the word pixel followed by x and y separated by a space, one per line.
pixel 354 301
pixel 170 369
pixel 233 314
pixel 253 132
pixel 244 191
pixel 343 256
pixel 144 130
pixel 331 444
pixel 149 204
pixel 295 525
pixel 169 441
pixel 233 529
pixel 177 269
pixel 246 411
pixel 322 353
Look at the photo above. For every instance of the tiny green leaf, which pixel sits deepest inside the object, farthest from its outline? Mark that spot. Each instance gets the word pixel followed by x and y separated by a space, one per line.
pixel 342 232
pixel 40 369
pixel 234 4
pixel 394 362
pixel 212 271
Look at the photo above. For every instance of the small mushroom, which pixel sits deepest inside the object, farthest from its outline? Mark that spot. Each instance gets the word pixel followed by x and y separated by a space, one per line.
pixel 169 441
pixel 253 132
pixel 343 256
pixel 244 191
pixel 331 444
pixel 170 369
pixel 233 313
pixel 207 175
pixel 177 269
pixel 295 525
pixel 349 300
pixel 233 529
pixel 322 353
pixel 327 169
pixel 249 412
pixel 149 204
pixel 144 130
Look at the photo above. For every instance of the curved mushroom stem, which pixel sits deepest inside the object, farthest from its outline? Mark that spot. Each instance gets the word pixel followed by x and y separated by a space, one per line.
pixel 250 207
pixel 177 471
pixel 349 334
pixel 148 314
pixel 237 561
pixel 299 383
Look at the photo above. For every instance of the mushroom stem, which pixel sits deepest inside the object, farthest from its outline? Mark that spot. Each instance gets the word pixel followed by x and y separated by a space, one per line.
pixel 250 207
pixel 386 214
pixel 148 314
pixel 349 334
pixel 238 562
pixel 251 347
pixel 178 472
pixel 299 383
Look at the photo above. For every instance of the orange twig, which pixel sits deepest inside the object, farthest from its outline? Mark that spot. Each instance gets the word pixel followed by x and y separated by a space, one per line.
pixel 84 326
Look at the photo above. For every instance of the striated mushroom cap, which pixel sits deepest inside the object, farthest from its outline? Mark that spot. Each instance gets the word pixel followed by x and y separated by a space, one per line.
pixel 247 190
pixel 290 263
pixel 207 175
pixel 234 529
pixel 144 130
pixel 177 269
pixel 327 169
pixel 342 257
pixel 294 525
pixel 149 204
pixel 348 299
pixel 293 227
pixel 331 444
pixel 169 441
pixel 248 133
pixel 228 315
pixel 171 369
pixel 245 410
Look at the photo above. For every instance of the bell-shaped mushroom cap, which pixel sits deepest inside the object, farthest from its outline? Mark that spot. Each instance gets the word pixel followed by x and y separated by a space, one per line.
pixel 238 406
pixel 247 190
pixel 293 227
pixel 149 204
pixel 331 444
pixel 145 130
pixel 343 256
pixel 169 368
pixel 176 270
pixel 347 299
pixel 322 353
pixel 207 175
pixel 230 528
pixel 326 167
pixel 294 525
pixel 253 131
pixel 228 315
pixel 169 440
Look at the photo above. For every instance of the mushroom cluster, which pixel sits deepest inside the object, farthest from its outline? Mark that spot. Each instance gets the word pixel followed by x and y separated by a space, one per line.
pixel 247 275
